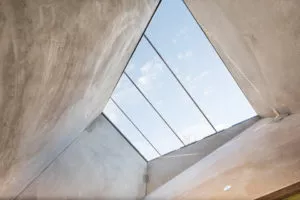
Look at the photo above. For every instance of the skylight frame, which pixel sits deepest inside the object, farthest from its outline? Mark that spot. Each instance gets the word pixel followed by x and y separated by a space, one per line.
pixel 177 79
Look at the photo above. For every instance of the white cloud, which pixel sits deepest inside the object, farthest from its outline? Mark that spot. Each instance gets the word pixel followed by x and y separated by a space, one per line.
pixel 152 67
pixel 184 55
pixel 200 76
pixel 150 71
pixel 146 67
pixel 182 32
pixel 143 80
pixel 207 91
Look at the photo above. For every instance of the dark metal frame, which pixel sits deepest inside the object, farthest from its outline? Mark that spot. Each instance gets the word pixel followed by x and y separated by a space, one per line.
pixel 134 125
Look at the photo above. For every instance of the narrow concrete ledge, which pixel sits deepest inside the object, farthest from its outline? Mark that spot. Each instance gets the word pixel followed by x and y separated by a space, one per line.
pixel 262 159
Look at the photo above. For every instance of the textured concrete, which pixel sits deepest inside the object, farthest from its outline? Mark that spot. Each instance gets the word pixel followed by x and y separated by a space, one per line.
pixel 59 61
pixel 259 42
pixel 99 165
pixel 262 159
pixel 164 168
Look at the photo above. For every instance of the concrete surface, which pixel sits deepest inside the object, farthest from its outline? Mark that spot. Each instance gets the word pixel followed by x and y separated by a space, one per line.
pixel 164 168
pixel 101 164
pixel 283 193
pixel 262 159
pixel 259 41
pixel 59 61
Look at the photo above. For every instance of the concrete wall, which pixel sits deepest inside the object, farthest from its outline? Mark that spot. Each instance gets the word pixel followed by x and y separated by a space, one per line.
pixel 259 41
pixel 100 164
pixel 261 160
pixel 59 62
pixel 164 168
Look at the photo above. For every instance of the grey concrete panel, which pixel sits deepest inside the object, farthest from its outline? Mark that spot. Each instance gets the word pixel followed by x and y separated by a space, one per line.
pixel 101 164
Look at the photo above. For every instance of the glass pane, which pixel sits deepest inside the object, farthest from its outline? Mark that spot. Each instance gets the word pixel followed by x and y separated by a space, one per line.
pixel 154 79
pixel 185 48
pixel 129 131
pixel 144 117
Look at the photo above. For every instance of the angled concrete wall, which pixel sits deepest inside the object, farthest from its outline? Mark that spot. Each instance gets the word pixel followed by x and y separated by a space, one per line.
pixel 261 160
pixel 164 168
pixel 59 62
pixel 259 41
pixel 100 164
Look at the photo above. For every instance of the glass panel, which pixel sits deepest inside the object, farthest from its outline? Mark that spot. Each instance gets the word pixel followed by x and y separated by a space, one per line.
pixel 190 55
pixel 129 131
pixel 154 79
pixel 144 117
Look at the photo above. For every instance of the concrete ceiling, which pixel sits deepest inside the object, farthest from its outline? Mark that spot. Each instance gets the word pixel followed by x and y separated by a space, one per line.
pixel 60 61
pixel 259 41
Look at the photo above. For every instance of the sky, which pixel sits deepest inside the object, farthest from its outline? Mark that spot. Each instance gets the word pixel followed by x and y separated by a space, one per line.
pixel 186 50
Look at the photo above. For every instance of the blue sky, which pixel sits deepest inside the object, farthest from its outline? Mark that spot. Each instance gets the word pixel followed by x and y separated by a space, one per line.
pixel 186 50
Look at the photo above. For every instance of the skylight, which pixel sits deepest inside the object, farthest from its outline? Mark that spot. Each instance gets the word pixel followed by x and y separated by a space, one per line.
pixel 175 89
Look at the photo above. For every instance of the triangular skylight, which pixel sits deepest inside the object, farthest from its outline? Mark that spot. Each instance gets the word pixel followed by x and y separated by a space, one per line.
pixel 175 90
